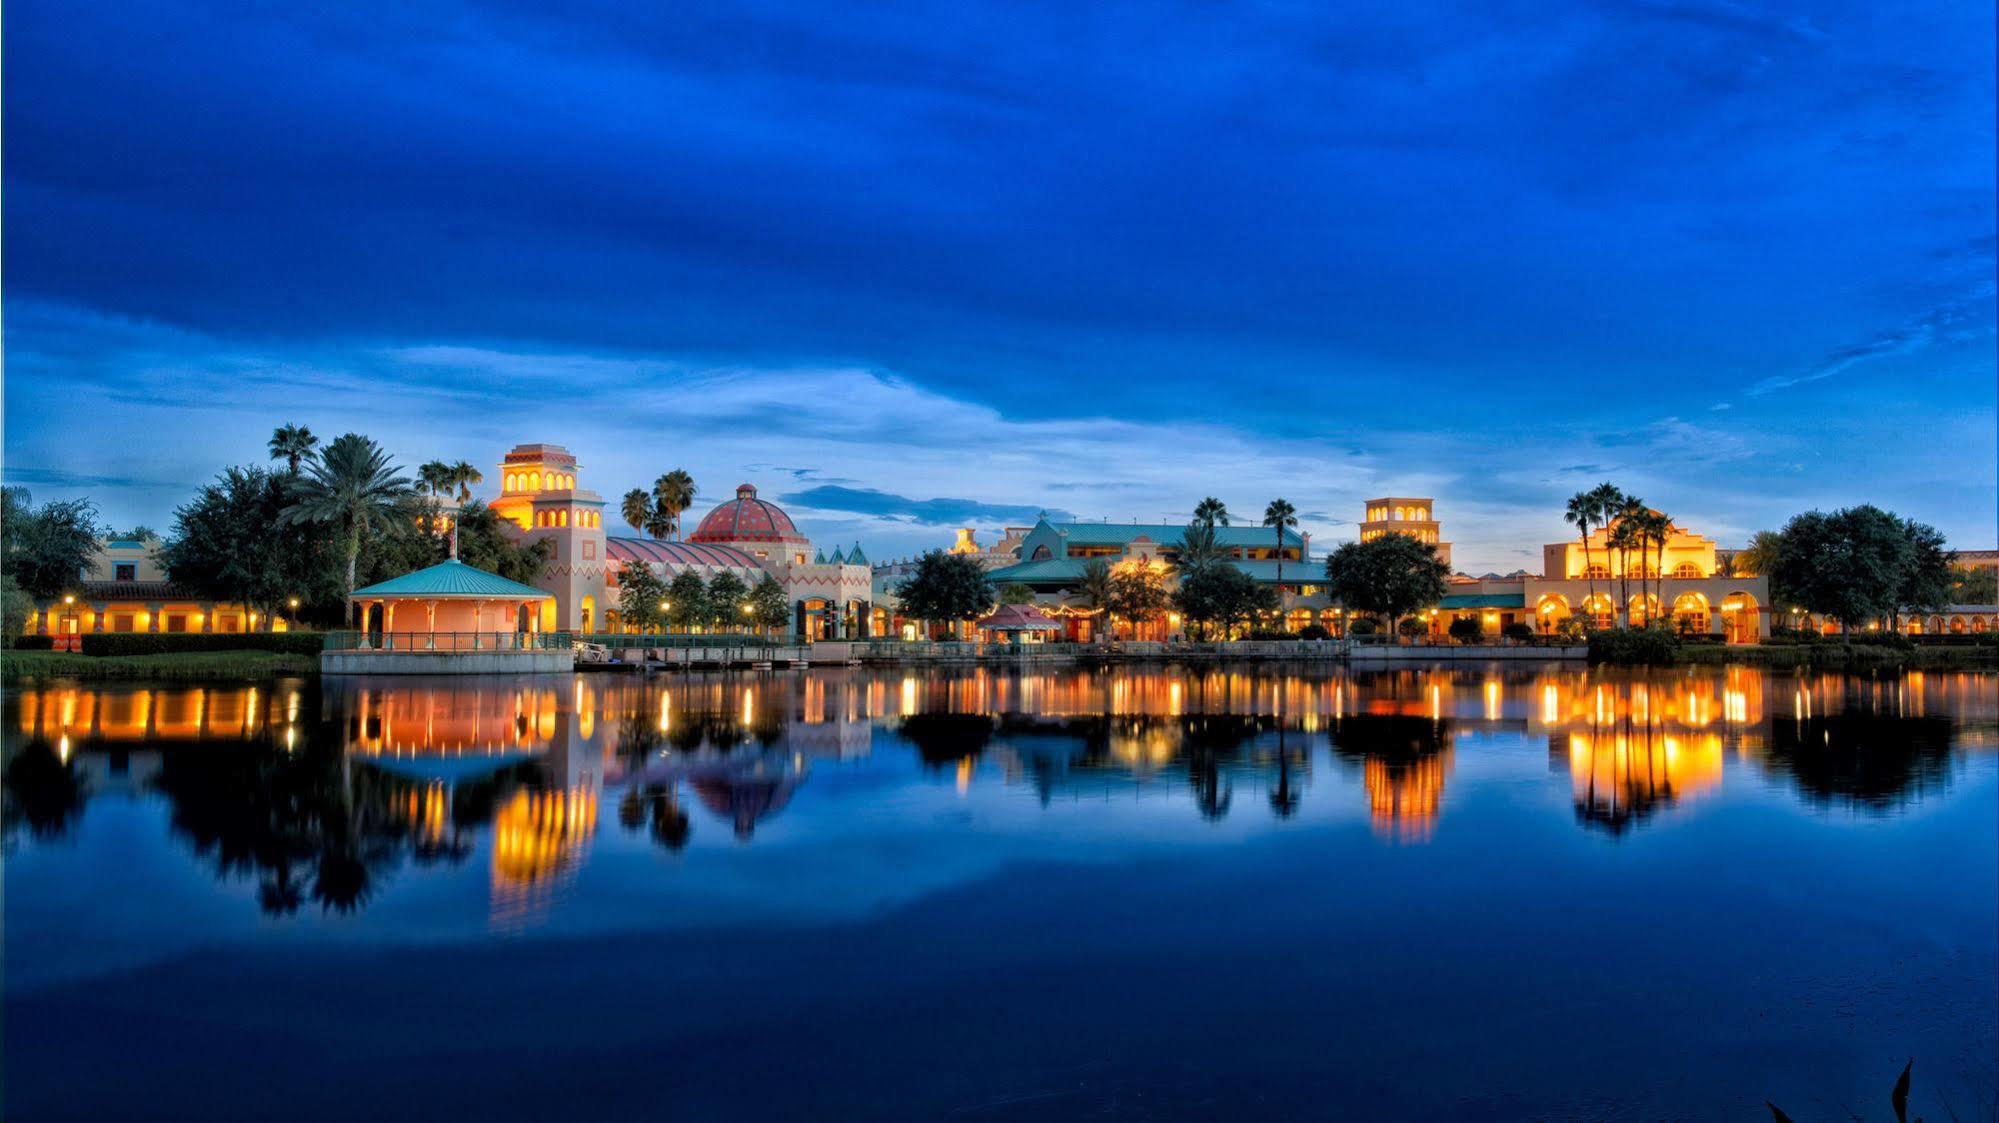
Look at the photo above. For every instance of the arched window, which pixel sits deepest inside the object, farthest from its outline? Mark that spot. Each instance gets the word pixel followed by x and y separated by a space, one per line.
pixel 562 518
pixel 510 481
pixel 1686 569
pixel 1597 570
pixel 1041 553
pixel 1399 514
pixel 534 481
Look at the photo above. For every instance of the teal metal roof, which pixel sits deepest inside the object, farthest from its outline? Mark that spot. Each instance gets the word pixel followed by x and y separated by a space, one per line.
pixel 856 557
pixel 453 579
pixel 1484 600
pixel 1041 572
pixel 1121 534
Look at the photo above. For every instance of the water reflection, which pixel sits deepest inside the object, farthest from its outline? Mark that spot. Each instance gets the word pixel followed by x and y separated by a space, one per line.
pixel 323 794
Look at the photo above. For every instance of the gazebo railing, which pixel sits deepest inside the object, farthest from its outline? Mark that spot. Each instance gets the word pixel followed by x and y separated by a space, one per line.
pixel 425 643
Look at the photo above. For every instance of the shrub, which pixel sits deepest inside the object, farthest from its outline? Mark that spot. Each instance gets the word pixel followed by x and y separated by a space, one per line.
pixel 1649 646
pixel 1466 629
pixel 1518 630
pixel 1314 631
pixel 1412 626
pixel 31 643
pixel 1268 634
pixel 165 643
pixel 1364 626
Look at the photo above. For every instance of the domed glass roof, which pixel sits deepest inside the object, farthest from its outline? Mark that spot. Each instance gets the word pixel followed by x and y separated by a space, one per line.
pixel 747 519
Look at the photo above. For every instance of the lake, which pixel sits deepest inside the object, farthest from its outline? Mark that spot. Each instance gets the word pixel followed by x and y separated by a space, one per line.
pixel 1145 893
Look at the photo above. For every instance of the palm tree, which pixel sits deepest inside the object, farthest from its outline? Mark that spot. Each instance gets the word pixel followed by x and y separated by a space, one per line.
pixel 674 493
pixel 1658 528
pixel 464 477
pixel 1097 586
pixel 1759 556
pixel 1279 515
pixel 353 485
pixel 1198 547
pixel 1212 511
pixel 1580 513
pixel 434 476
pixel 292 444
pixel 1627 533
pixel 636 508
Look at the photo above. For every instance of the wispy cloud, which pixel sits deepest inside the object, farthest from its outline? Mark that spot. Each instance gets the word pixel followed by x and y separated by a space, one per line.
pixel 1963 319
pixel 928 512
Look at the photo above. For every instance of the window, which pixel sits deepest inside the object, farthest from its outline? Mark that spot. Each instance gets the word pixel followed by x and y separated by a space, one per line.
pixel 122 623
pixel 1597 570
pixel 509 485
pixel 176 623
pixel 125 571
pixel 1686 569
pixel 589 550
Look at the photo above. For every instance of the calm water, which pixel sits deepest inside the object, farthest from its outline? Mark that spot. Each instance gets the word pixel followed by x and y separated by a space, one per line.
pixel 1163 894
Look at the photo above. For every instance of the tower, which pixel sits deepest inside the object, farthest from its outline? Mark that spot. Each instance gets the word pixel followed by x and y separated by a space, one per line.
pixel 540 496
pixel 1402 515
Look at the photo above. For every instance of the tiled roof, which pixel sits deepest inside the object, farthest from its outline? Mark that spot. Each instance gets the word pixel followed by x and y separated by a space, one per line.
pixel 679 554
pixel 747 519
pixel 1166 534
pixel 452 578
pixel 1048 570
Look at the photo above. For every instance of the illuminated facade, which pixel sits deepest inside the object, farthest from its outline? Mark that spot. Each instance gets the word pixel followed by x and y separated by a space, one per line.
pixel 1415 518
pixel 542 496
pixel 127 590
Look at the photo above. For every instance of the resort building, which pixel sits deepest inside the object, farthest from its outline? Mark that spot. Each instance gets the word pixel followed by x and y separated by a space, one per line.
pixel 126 590
pixel 1413 517
pixel 1049 558
pixel 831 598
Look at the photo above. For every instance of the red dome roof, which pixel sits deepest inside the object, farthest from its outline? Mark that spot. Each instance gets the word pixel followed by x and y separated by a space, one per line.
pixel 747 519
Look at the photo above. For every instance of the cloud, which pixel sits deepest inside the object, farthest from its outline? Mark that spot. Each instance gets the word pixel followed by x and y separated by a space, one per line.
pixel 930 512
pixel 1962 319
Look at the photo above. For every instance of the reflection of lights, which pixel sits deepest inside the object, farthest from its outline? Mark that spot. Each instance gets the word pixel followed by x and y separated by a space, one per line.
pixel 1551 709
pixel 908 695
pixel 749 708
pixel 291 737
pixel 665 710
pixel 62 749
pixel 1492 699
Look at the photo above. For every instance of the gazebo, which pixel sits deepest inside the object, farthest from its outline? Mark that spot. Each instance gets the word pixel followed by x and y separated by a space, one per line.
pixel 1018 623
pixel 446 608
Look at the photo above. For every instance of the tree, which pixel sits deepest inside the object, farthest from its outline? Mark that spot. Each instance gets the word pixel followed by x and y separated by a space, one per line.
pixel 1279 515
pixel 292 444
pixel 1925 582
pixel 15 604
pixel 672 494
pixel 224 547
pixel 640 596
pixel 484 543
pixel 1224 595
pixel 687 599
pixel 47 549
pixel 770 609
pixel 1658 529
pixel 1014 592
pixel 434 476
pixel 1759 556
pixel 636 508
pixel 1466 629
pixel 727 595
pixel 946 587
pixel 1389 576
pixel 1581 514
pixel 1096 586
pixel 464 477
pixel 1973 585
pixel 1199 548
pixel 1138 593
pixel 1848 565
pixel 353 487
pixel 140 533
pixel 1211 511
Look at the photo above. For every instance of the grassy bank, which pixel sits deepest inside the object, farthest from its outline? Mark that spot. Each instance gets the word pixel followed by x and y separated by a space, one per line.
pixel 1839 655
pixel 17 665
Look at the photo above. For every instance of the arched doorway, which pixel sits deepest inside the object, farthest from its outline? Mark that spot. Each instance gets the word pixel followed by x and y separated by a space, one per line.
pixel 1690 614
pixel 1642 610
pixel 1600 611
pixel 588 614
pixel 1741 617
pixel 1552 609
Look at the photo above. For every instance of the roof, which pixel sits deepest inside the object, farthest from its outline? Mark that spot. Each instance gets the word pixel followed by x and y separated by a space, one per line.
pixel 682 555
pixel 1048 570
pixel 453 578
pixel 1483 600
pixel 855 556
pixel 1018 618
pixel 1166 534
pixel 747 519
pixel 137 590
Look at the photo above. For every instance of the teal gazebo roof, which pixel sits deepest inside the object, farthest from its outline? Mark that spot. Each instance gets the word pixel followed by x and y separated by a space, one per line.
pixel 449 579
pixel 1461 601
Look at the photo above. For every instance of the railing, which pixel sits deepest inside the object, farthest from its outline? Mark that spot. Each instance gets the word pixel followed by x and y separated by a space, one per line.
pixel 444 643
pixel 675 640
pixel 973 649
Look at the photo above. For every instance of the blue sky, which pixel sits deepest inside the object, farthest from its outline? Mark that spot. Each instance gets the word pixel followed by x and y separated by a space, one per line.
pixel 916 265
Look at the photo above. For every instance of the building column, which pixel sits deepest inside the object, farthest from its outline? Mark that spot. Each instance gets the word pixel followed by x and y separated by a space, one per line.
pixel 98 612
pixel 153 612
pixel 430 624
